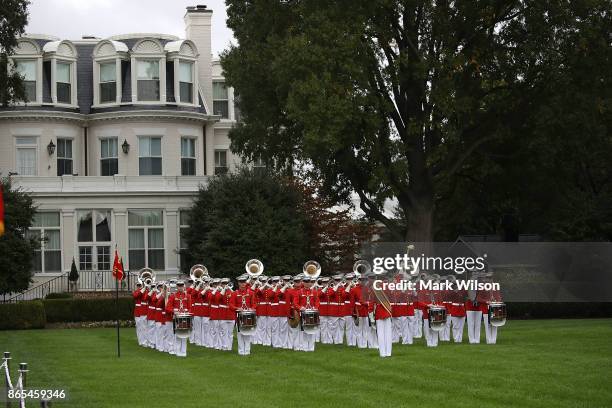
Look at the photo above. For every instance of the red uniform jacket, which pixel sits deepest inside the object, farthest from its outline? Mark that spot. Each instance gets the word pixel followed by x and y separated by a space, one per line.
pixel 236 301
pixel 137 295
pixel 326 297
pixel 179 301
pixel 283 304
pixel 215 311
pixel 151 307
pixel 306 298
pixel 224 307
pixel 457 307
pixel 358 303
pixel 375 306
pixel 206 300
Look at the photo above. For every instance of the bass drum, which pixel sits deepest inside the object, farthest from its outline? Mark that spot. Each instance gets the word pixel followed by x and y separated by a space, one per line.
pixel 183 324
pixel 246 322
pixel 437 317
pixel 497 314
pixel 310 321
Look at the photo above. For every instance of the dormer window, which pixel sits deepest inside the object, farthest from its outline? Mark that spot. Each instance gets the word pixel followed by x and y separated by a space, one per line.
pixel 27 69
pixel 108 82
pixel 63 83
pixel 148 80
pixel 186 81
pixel 107 87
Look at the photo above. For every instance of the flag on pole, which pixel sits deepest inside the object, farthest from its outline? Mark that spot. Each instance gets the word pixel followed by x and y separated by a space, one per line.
pixel 117 267
pixel 122 268
pixel 1 212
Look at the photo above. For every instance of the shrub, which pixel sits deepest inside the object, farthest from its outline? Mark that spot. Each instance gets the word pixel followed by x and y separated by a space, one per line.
pixel 22 315
pixel 62 295
pixel 87 310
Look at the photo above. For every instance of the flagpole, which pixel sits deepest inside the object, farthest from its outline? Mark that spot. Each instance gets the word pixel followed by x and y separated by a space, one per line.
pixel 117 302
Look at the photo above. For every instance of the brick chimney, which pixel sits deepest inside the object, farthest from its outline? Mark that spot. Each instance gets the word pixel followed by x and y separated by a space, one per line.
pixel 198 29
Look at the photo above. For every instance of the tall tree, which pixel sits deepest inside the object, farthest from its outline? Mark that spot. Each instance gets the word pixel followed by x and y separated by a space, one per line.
pixel 17 251
pixel 13 19
pixel 389 98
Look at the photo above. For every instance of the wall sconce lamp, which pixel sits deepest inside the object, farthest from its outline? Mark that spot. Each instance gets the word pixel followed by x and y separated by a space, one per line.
pixel 51 148
pixel 125 146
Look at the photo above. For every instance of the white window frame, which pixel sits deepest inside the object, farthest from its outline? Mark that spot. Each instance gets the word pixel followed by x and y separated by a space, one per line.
pixel 148 56
pixel 161 154
pixel 118 85
pixel 73 81
pixel 227 166
pixel 39 71
pixel 181 226
pixel 27 146
pixel 194 81
pixel 72 146
pixel 94 243
pixel 41 231
pixel 100 158
pixel 195 154
pixel 146 235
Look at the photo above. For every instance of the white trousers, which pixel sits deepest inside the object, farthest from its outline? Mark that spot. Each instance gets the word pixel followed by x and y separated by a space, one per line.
pixel 214 334
pixel 244 344
pixel 264 323
pixel 307 341
pixel 226 334
pixel 490 330
pixel 151 333
pixel 294 338
pixel 197 330
pixel 473 325
pixel 445 333
pixel 168 337
pixel 457 328
pixel 340 325
pixel 283 332
pixel 205 331
pixel 351 331
pixel 140 325
pixel 431 336
pixel 384 329
pixel 397 323
pixel 418 326
pixel 406 330
pixel 361 333
pixel 372 336
pixel 180 347
pixel 275 328
pixel 326 330
pixel 159 337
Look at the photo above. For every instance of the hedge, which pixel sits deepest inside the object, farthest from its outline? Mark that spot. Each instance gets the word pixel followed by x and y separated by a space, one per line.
pixel 22 315
pixel 87 310
pixel 534 310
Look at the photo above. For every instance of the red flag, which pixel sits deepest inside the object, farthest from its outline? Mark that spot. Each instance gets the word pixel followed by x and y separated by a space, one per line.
pixel 117 267
pixel 122 268
pixel 1 212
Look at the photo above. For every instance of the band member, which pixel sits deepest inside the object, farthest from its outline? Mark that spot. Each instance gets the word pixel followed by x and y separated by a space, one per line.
pixel 263 311
pixel 215 314
pixel 151 316
pixel 403 316
pixel 457 313
pixel 306 298
pixel 337 310
pixel 347 310
pixel 160 345
pixel 283 306
pixel 381 307
pixel 293 340
pixel 473 311
pixel 243 298
pixel 190 289
pixel 445 295
pixel 372 334
pixel 490 296
pixel 326 295
pixel 227 317
pixel 196 298
pixel 179 302
pixel 206 323
pixel 275 317
pixel 139 312
pixel 360 307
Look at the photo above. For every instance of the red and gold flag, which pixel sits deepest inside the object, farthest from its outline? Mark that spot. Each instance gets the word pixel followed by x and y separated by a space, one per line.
pixel 1 212
pixel 117 267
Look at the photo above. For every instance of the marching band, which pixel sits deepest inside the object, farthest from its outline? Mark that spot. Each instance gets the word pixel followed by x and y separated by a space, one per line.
pixel 296 312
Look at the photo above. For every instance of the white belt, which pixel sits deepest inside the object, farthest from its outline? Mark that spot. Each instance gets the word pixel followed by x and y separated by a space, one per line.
pixel 282 302
pixel 223 306
pixel 323 303
pixel 214 306
pixel 333 303
pixel 152 307
pixel 457 304
pixel 197 304
pixel 137 304
pixel 158 308
pixel 347 301
pixel 402 304
pixel 264 303
pixel 274 304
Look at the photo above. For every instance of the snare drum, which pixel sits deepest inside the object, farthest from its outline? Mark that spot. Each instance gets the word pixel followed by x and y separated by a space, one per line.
pixel 497 314
pixel 246 322
pixel 183 323
pixel 437 317
pixel 310 321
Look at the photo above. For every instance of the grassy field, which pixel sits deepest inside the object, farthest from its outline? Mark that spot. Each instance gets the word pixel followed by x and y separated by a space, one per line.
pixel 552 363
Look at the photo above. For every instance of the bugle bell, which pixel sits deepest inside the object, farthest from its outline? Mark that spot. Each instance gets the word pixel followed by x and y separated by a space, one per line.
pixel 254 267
pixel 312 269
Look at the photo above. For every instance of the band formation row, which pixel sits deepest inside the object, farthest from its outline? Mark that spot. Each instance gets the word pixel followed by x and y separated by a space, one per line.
pixel 295 312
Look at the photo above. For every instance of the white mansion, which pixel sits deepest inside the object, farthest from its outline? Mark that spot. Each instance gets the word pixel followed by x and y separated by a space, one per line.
pixel 115 141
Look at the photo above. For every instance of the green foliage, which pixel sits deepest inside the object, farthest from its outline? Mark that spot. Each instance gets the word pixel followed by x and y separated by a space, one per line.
pixel 59 295
pixel 87 310
pixel 17 251
pixel 13 19
pixel 249 214
pixel 73 276
pixel 400 100
pixel 22 315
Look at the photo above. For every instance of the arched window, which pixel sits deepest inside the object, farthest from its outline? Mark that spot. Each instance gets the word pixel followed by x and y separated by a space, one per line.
pixel 63 57
pixel 27 60
pixel 107 72
pixel 148 72
pixel 183 54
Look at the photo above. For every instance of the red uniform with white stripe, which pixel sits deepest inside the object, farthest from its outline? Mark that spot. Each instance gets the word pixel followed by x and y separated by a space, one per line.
pixel 179 302
pixel 138 309
pixel 305 298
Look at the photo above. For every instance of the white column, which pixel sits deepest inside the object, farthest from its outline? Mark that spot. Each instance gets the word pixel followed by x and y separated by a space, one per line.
pixel 69 244
pixel 120 233
pixel 210 149
pixel 171 239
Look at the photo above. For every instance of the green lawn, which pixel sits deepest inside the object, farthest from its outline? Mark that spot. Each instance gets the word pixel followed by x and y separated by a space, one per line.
pixel 545 363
